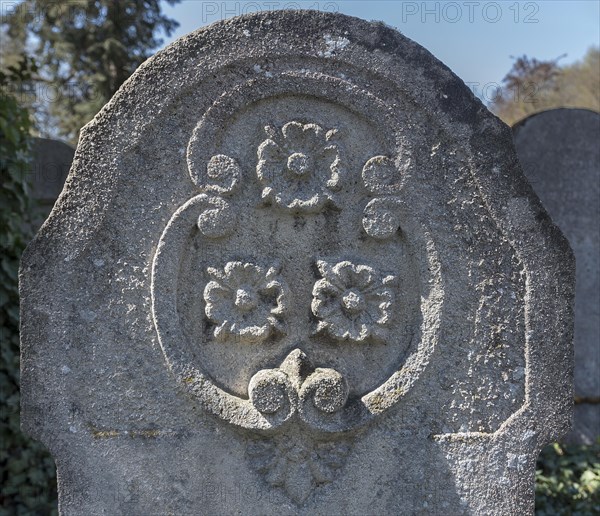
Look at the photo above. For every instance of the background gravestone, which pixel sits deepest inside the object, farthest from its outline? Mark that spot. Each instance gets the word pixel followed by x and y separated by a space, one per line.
pixel 50 165
pixel 296 270
pixel 560 155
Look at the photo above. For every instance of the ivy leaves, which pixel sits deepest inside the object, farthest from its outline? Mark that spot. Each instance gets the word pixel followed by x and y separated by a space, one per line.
pixel 568 480
pixel 27 472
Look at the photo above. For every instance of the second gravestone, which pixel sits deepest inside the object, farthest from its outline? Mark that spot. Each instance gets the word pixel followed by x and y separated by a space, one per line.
pixel 296 270
pixel 50 166
pixel 560 155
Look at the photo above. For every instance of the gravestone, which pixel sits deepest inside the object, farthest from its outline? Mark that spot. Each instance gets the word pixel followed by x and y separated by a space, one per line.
pixel 297 270
pixel 51 163
pixel 560 155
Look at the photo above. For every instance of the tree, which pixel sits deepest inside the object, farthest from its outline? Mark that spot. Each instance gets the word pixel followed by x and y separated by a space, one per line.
pixel 533 85
pixel 86 49
pixel 579 84
pixel 27 472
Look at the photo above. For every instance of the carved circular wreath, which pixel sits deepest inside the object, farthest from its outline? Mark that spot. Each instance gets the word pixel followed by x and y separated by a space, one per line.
pixel 299 169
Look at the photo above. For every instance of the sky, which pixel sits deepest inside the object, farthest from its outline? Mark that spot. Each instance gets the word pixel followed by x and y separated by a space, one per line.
pixel 475 38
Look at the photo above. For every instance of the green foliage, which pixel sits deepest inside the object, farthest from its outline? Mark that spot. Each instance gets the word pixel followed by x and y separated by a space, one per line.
pixel 532 86
pixel 87 49
pixel 27 472
pixel 568 480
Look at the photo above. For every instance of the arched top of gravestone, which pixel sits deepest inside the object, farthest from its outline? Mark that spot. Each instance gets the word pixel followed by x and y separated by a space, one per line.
pixel 257 43
pixel 418 212
pixel 585 115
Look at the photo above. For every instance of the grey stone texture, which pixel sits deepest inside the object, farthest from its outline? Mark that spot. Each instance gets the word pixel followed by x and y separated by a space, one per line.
pixel 296 269
pixel 50 165
pixel 559 151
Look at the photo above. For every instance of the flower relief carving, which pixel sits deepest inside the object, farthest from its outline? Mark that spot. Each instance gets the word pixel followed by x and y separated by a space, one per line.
pixel 353 302
pixel 299 419
pixel 245 301
pixel 299 167
pixel 385 179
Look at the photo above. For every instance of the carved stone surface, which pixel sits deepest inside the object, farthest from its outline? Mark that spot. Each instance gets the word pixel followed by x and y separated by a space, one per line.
pixel 297 270
pixel 299 168
pixel 245 302
pixel 352 302
pixel 560 155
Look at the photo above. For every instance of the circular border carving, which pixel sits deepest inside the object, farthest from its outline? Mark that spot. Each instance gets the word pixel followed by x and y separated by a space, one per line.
pixel 243 412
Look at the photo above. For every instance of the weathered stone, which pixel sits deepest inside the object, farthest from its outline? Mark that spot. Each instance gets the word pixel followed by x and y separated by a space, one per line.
pixel 50 165
pixel 297 270
pixel 560 155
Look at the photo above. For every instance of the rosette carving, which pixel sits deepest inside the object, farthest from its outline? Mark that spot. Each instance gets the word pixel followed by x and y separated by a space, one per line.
pixel 299 167
pixel 353 302
pixel 245 301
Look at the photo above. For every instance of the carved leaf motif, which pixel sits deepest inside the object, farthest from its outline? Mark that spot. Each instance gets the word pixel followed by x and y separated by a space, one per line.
pixel 296 462
pixel 223 175
pixel 222 178
pixel 384 178
pixel 217 219
pixel 298 481
pixel 317 396
pixel 381 176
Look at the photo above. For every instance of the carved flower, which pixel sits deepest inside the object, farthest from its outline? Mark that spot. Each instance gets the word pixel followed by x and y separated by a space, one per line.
pixel 299 169
pixel 296 462
pixel 245 301
pixel 353 301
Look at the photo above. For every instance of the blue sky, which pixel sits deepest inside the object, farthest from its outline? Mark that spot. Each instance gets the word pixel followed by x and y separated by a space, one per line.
pixel 474 38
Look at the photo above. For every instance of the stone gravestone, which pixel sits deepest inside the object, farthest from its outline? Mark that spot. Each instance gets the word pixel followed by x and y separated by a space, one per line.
pixel 560 155
pixel 51 163
pixel 297 270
